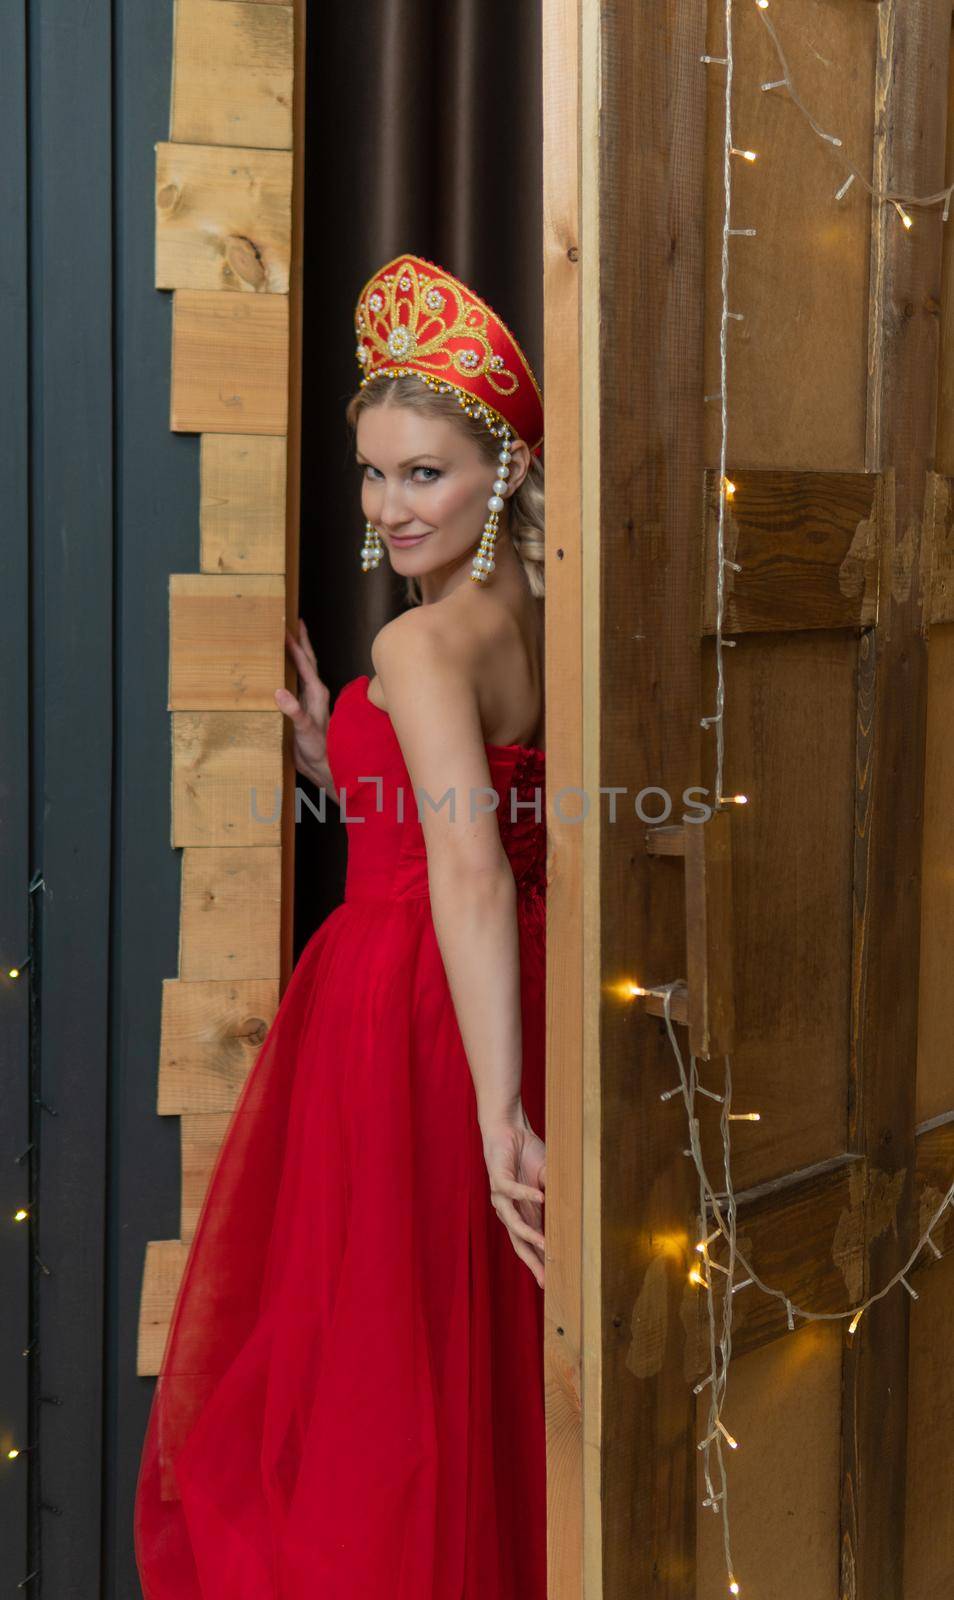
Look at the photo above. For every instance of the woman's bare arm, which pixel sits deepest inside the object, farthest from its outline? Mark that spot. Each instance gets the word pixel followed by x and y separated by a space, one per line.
pixel 433 706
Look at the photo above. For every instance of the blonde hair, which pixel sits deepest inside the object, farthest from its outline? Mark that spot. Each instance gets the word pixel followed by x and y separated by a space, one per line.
pixel 525 514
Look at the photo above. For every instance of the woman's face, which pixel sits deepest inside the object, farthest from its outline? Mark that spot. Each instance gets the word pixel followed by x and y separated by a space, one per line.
pixel 425 481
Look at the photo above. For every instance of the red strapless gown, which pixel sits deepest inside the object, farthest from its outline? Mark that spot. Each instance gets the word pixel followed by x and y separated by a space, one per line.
pixel 350 1402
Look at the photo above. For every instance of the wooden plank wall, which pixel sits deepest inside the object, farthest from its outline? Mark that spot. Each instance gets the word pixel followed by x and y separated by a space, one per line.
pixel 228 234
pixel 838 728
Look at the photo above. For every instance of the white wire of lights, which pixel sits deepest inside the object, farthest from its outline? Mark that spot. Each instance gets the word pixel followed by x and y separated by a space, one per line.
pixel 720 1349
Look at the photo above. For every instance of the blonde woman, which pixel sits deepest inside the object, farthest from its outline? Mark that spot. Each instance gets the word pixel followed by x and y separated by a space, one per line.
pixel 350 1402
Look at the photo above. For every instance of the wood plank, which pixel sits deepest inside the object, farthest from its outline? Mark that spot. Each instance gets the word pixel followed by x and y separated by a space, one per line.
pixel 211 1034
pixel 226 642
pixel 938 573
pixel 710 936
pixel 231 911
pixel 911 111
pixel 782 1406
pixel 229 362
pixel 226 778
pixel 929 1519
pixel 789 747
pixel 809 1232
pixel 223 218
pixel 232 74
pixel 797 363
pixel 202 1135
pixel 242 502
pixel 935 1074
pixel 807 544
pixel 944 458
pixel 292 561
pixel 563 1330
pixel 162 1273
pixel 645 109
pixel 590 681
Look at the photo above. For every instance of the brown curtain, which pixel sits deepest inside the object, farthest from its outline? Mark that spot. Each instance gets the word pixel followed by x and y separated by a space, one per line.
pixel 423 133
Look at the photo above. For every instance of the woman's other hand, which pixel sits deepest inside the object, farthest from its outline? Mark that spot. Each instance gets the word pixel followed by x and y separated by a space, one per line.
pixel 309 714
pixel 516 1165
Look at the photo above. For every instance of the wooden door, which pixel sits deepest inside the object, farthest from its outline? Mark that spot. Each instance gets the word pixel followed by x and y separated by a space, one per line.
pixel 807 930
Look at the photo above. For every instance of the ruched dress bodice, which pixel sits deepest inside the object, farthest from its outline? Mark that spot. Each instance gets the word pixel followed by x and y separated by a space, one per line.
pixel 388 860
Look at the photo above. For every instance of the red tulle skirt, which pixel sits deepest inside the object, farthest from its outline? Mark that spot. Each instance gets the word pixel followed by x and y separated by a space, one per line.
pixel 350 1403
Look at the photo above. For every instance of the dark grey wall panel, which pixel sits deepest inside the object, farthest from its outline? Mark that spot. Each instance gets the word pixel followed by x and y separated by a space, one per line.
pixel 100 504
pixel 72 534
pixel 157 504
pixel 15 852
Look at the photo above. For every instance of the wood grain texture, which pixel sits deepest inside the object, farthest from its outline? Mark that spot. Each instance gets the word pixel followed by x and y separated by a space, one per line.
pixel 710 932
pixel 945 420
pixel 242 502
pixel 809 1233
pixel 229 362
pixel 935 1070
pixel 162 1273
pixel 797 363
pixel 789 745
pixel 807 544
pixel 226 777
pixel 232 74
pixel 929 1519
pixel 641 651
pixel 226 642
pixel 563 1330
pixel 211 1033
pixel 202 1135
pixel 231 910
pixel 911 112
pixel 223 218
pixel 782 1406
pixel 292 561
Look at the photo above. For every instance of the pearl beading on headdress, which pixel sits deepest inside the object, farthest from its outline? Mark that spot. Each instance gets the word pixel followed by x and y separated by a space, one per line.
pixel 474 408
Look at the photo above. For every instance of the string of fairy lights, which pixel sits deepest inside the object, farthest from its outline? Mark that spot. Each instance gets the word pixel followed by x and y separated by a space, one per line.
pixel 717 1435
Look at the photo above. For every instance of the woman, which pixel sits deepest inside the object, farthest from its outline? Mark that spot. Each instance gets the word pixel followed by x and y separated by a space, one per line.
pixel 350 1402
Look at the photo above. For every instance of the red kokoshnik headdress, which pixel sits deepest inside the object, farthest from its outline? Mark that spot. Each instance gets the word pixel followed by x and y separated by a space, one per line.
pixel 413 317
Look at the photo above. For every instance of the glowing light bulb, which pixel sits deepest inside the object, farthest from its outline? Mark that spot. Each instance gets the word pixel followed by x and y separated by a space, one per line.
pixel 14 972
pixel 733 1586
pixel 729 488
pixel 12 1455
pixel 734 1443
pixel 855 1320
pixel 701 1246
pixel 745 1116
pixel 908 221
pixel 739 799
pixel 19 1216
pixel 747 155
pixel 695 1276
pixel 631 989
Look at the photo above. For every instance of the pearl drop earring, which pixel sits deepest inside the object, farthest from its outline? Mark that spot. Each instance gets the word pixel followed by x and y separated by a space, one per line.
pixel 484 563
pixel 372 550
